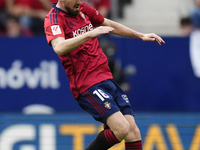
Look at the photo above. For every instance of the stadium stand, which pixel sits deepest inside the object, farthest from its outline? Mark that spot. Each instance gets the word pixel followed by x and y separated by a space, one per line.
pixel 160 16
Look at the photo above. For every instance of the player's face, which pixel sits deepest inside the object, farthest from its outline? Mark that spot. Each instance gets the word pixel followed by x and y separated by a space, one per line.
pixel 198 3
pixel 72 6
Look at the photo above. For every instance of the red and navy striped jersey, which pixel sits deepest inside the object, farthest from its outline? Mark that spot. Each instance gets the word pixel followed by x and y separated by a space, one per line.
pixel 87 65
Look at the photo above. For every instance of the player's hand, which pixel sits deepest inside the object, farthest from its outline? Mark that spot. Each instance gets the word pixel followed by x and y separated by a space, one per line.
pixel 100 30
pixel 153 37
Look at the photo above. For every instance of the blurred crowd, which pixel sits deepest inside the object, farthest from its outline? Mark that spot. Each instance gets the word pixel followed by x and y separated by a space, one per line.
pixel 103 6
pixel 191 22
pixel 23 17
pixel 26 17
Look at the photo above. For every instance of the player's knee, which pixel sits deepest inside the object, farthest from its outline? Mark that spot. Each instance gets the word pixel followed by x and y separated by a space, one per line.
pixel 124 130
pixel 136 131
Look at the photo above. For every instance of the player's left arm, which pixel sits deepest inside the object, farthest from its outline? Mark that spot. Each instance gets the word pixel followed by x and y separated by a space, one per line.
pixel 122 30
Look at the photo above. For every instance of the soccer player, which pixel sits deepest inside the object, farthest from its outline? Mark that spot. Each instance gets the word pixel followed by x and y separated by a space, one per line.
pixel 72 28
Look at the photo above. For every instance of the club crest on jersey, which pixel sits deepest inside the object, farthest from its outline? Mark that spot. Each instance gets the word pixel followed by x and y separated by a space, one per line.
pixel 56 29
pixel 107 105
pixel 97 12
pixel 82 15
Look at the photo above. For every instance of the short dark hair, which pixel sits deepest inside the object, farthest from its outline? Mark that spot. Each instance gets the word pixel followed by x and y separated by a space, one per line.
pixel 185 21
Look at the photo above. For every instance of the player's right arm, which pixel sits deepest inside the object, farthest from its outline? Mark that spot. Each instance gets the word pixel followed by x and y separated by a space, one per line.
pixel 63 46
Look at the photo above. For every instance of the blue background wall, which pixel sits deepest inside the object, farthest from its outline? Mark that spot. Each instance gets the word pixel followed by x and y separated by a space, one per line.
pixel 164 80
pixel 163 92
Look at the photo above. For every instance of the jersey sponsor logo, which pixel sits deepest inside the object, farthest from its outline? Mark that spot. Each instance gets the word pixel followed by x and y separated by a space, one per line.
pixel 107 105
pixel 125 98
pixel 83 30
pixel 56 29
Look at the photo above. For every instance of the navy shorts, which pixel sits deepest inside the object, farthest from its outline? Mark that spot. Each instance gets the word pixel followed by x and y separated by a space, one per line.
pixel 104 99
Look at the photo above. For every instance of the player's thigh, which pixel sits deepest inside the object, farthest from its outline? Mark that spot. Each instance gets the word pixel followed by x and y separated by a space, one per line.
pixel 117 122
pixel 133 126
pixel 131 120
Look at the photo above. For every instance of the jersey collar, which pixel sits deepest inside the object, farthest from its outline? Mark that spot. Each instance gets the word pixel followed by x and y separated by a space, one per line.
pixel 54 6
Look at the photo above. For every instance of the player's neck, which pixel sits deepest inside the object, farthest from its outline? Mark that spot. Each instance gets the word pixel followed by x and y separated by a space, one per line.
pixel 60 6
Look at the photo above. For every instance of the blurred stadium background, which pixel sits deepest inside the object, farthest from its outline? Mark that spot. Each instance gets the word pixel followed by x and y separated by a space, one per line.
pixel 38 112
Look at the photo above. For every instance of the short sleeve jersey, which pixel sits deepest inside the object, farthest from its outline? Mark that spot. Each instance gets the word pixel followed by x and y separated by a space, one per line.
pixel 86 65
